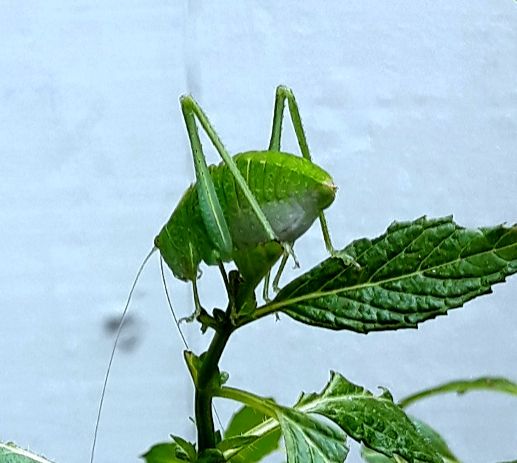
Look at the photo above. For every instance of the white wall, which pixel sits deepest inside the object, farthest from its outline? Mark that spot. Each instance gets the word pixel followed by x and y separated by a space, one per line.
pixel 411 105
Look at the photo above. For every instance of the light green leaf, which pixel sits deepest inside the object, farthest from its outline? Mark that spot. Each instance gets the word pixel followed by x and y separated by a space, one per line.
pixel 10 453
pixel 169 452
pixel 414 272
pixel 463 386
pixel 247 423
pixel 308 440
pixel 374 421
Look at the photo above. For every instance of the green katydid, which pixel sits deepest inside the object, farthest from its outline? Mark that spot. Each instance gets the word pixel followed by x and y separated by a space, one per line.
pixel 255 203
pixel 249 209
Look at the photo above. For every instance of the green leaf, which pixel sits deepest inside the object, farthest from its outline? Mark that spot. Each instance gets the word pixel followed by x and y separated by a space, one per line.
pixel 169 452
pixel 246 423
pixel 187 447
pixel 436 441
pixel 308 440
pixel 194 364
pixel 10 453
pixel 414 272
pixel 463 386
pixel 376 422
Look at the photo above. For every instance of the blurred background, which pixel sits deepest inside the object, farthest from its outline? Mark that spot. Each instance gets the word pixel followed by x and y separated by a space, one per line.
pixel 412 106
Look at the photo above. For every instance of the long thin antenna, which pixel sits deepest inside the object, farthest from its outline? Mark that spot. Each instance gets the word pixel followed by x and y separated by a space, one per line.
pixel 176 320
pixel 119 330
pixel 170 305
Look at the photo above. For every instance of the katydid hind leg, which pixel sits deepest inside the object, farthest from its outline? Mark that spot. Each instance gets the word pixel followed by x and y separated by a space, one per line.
pixel 192 109
pixel 113 350
pixel 284 93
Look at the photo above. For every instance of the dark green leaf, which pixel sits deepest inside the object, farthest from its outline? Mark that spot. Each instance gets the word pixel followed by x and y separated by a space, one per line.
pixel 308 440
pixel 244 424
pixel 436 441
pixel 10 453
pixel 414 272
pixel 169 452
pixel 374 421
pixel 463 386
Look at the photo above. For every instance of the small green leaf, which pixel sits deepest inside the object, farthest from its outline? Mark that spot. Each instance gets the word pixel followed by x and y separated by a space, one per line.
pixel 194 364
pixel 244 424
pixel 414 272
pixel 10 453
pixel 187 447
pixel 308 440
pixel 374 421
pixel 169 452
pixel 462 387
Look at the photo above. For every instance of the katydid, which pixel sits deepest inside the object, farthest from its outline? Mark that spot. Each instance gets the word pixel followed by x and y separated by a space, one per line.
pixel 254 203
pixel 249 209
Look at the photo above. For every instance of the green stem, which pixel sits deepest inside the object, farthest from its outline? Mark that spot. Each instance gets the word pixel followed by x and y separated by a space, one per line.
pixel 462 387
pixel 247 398
pixel 204 392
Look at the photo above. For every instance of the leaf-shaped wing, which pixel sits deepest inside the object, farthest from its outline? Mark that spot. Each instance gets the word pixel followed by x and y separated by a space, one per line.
pixel 414 272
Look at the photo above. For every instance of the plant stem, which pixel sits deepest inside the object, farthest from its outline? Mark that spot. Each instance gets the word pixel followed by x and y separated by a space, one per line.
pixel 249 399
pixel 204 392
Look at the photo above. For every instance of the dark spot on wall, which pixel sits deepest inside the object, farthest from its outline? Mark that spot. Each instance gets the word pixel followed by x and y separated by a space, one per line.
pixel 130 334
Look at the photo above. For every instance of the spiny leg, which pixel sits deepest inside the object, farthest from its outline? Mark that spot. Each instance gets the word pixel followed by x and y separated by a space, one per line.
pixel 285 93
pixel 192 110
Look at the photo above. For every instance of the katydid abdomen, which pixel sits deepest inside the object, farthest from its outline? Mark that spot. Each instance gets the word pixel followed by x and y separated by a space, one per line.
pixel 290 190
